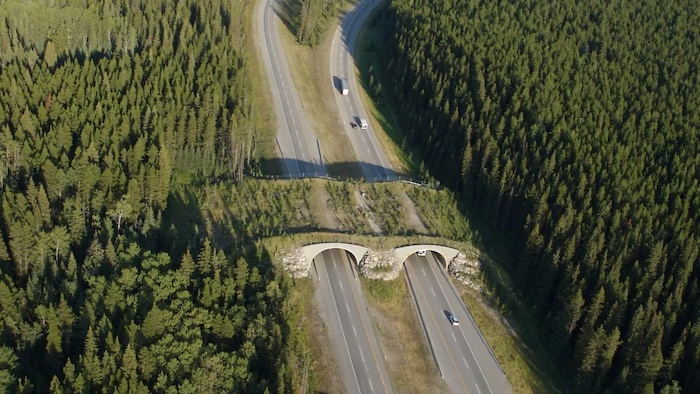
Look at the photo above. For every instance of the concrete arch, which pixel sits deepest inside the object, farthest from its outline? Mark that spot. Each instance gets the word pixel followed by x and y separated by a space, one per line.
pixel 448 254
pixel 311 251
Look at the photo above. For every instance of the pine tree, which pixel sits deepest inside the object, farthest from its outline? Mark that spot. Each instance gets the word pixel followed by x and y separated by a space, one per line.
pixel 8 364
pixel 90 362
pixel 121 212
pixel 571 301
pixel 50 56
pixel 204 265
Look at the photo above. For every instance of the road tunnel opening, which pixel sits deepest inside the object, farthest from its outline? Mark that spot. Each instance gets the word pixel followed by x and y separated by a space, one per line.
pixel 335 257
pixel 441 254
pixel 354 253
pixel 429 256
pixel 440 259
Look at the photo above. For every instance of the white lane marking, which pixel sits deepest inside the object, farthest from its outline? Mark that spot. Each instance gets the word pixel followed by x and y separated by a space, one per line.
pixel 423 269
pixel 433 291
pixel 341 285
pixel 477 388
pixel 465 362
pixel 453 337
pixel 363 356
pixel 354 331
pixel 370 385
pixel 347 307
pixel 342 331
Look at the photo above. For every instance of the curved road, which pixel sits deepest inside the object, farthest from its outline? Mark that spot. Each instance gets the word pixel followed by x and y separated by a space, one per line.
pixel 362 364
pixel 298 145
pixel 359 356
pixel 375 165
pixel 462 355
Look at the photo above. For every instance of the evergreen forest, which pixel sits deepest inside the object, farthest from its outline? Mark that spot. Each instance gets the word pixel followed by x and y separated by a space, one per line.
pixel 572 126
pixel 106 109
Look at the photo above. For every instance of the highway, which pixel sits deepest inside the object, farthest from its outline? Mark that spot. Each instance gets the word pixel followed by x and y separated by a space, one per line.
pixel 350 328
pixel 461 353
pixel 297 142
pixel 362 364
pixel 375 166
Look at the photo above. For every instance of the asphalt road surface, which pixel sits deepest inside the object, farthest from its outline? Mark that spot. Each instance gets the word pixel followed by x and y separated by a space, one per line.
pixel 463 357
pixel 375 165
pixel 350 328
pixel 297 142
pixel 461 353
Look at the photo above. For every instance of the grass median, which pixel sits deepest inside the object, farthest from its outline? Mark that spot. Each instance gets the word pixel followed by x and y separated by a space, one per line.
pixel 310 69
pixel 395 321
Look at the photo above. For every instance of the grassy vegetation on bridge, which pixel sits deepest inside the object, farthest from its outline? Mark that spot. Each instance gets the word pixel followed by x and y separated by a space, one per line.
pixel 264 208
pixel 287 214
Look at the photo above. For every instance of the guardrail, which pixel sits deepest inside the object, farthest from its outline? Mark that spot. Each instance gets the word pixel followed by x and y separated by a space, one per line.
pixel 316 175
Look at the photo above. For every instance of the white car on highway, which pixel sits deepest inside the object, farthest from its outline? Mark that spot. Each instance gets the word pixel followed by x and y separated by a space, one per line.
pixel 363 124
pixel 453 320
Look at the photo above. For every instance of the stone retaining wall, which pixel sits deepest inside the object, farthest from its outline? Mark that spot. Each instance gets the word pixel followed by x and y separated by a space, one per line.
pixel 385 265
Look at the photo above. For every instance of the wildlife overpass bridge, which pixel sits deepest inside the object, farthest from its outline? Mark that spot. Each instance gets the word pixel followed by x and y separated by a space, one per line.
pixel 359 252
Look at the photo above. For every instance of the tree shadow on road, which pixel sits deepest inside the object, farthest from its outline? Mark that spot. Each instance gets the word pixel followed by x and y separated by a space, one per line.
pixel 289 12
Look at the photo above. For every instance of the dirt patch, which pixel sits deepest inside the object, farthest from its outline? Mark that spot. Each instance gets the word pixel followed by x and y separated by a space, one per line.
pixel 367 212
pixel 321 211
pixel 414 220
